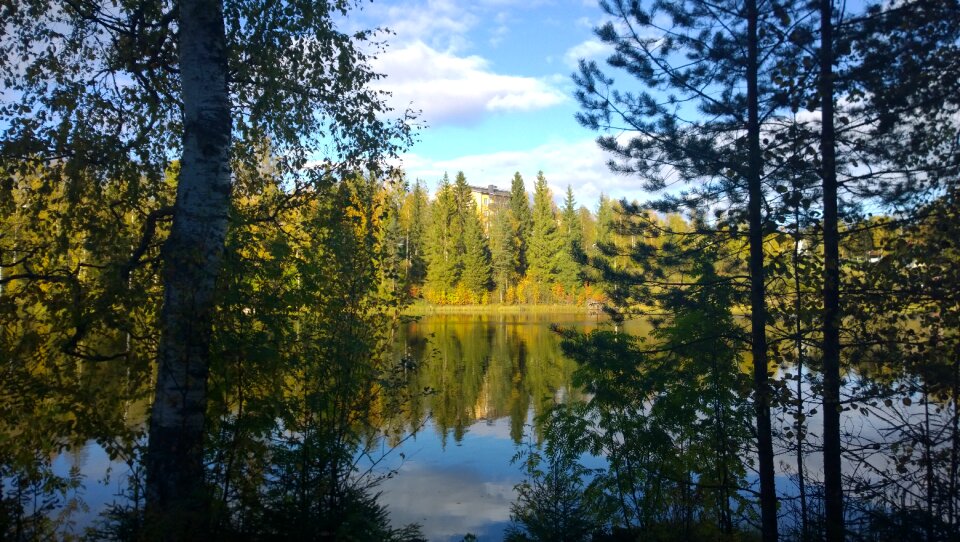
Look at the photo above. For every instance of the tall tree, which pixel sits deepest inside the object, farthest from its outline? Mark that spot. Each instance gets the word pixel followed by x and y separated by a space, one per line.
pixel 476 253
pixel 443 269
pixel 186 67
pixel 604 220
pixel 832 474
pixel 544 240
pixel 758 303
pixel 522 221
pixel 392 241
pixel 175 477
pixel 414 216
pixel 504 251
pixel 571 241
pixel 707 96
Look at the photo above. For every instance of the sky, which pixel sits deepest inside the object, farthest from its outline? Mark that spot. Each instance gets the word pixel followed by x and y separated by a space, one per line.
pixel 492 79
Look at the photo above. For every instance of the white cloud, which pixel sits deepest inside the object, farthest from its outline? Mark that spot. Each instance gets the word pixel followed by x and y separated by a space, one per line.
pixel 448 501
pixel 589 50
pixel 443 24
pixel 579 164
pixel 452 89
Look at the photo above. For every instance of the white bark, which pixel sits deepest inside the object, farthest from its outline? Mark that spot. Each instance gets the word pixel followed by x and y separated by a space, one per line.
pixel 192 258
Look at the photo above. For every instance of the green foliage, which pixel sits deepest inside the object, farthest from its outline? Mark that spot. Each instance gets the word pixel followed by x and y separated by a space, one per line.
pixel 476 275
pixel 571 242
pixel 544 244
pixel 669 419
pixel 443 259
pixel 553 502
pixel 302 362
pixel 469 255
pixel 522 221
pixel 504 252
pixel 414 215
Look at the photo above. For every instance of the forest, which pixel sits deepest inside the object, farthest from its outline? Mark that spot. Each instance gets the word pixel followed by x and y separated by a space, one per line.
pixel 209 251
pixel 449 251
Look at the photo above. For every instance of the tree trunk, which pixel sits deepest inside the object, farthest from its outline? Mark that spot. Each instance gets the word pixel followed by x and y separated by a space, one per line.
pixel 758 309
pixel 801 428
pixel 176 495
pixel 833 490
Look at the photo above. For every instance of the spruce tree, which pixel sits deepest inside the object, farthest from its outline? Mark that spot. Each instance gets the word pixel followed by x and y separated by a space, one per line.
pixel 475 275
pixel 463 197
pixel 443 269
pixel 392 243
pixel 414 214
pixel 504 251
pixel 604 221
pixel 570 239
pixel 522 221
pixel 544 241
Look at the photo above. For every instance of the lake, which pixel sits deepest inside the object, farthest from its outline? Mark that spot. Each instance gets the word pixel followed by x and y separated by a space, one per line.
pixel 493 374
pixel 475 386
pixel 449 456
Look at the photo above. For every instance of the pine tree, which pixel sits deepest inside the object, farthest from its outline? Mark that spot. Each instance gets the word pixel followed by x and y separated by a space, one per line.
pixel 720 57
pixel 544 241
pixel 522 221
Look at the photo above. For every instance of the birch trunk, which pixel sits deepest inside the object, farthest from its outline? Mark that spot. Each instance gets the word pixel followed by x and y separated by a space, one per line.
pixel 176 500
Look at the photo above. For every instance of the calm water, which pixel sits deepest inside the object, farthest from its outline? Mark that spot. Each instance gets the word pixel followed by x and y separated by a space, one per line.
pixel 492 375
pixel 489 376
pixel 449 457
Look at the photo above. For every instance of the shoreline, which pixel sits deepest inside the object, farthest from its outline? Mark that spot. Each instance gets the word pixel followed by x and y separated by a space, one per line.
pixel 423 309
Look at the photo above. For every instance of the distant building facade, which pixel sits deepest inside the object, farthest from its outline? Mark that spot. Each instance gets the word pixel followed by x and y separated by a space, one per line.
pixel 487 199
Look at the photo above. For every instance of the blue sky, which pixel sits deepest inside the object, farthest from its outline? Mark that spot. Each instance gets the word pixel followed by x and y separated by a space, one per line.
pixel 492 78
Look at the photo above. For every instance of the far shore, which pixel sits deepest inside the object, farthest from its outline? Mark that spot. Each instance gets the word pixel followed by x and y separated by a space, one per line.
pixel 421 309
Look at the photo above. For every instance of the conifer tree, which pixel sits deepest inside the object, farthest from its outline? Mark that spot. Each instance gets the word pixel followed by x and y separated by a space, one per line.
pixel 392 245
pixel 414 215
pixel 475 275
pixel 522 221
pixel 604 221
pixel 463 197
pixel 708 109
pixel 504 251
pixel 544 242
pixel 570 220
pixel 443 270
pixel 570 239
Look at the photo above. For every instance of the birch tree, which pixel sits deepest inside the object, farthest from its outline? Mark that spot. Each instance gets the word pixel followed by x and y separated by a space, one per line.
pixel 93 89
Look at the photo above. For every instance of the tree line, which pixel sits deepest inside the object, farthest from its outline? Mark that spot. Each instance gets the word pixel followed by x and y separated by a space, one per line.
pixel 515 252
pixel 445 250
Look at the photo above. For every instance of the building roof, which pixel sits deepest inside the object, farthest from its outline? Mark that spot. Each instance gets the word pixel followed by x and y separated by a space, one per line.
pixel 491 190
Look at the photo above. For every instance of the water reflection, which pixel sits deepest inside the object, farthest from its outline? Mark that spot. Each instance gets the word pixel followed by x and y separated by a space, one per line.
pixel 491 377
pixel 471 387
pixel 486 368
pixel 486 379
